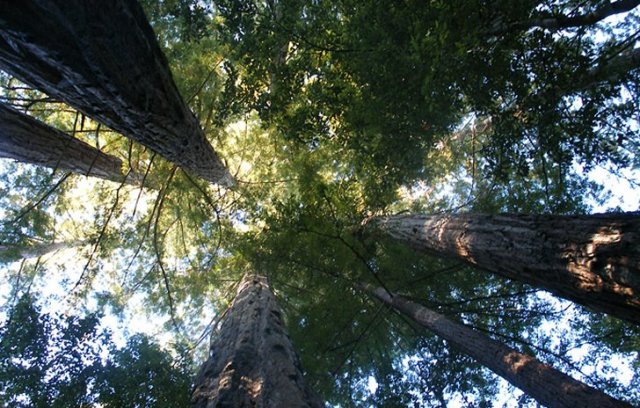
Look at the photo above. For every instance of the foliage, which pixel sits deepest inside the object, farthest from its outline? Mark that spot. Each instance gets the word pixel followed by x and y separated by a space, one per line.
pixel 58 361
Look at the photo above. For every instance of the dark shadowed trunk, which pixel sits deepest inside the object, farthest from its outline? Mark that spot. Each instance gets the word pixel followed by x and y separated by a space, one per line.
pixel 102 58
pixel 593 260
pixel 542 382
pixel 28 140
pixel 555 22
pixel 252 362
pixel 613 69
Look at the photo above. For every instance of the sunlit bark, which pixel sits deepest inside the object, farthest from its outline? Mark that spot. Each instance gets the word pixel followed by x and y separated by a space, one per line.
pixel 28 140
pixel 252 362
pixel 593 260
pixel 102 58
pixel 14 252
pixel 542 382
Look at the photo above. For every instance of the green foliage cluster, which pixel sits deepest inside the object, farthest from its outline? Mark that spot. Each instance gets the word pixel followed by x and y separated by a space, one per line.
pixel 68 361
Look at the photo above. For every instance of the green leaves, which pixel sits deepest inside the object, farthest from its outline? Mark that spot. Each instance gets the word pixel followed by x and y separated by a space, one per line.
pixel 48 360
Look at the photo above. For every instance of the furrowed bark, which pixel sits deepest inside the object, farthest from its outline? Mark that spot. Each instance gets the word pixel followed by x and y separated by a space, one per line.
pixel 252 362
pixel 542 382
pixel 593 260
pixel 28 140
pixel 102 58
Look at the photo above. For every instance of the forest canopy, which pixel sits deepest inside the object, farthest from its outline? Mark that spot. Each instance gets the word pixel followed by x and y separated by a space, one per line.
pixel 281 139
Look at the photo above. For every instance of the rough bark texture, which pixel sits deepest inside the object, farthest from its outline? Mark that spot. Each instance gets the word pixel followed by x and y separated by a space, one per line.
pixel 102 58
pixel 542 382
pixel 593 260
pixel 28 140
pixel 252 362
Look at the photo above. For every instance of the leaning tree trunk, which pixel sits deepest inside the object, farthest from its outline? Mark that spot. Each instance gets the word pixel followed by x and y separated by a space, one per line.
pixel 102 58
pixel 542 382
pixel 593 260
pixel 28 140
pixel 252 362
pixel 14 252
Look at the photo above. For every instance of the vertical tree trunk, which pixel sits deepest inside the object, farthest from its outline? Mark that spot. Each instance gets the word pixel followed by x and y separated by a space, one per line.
pixel 542 382
pixel 28 140
pixel 593 260
pixel 252 362
pixel 102 58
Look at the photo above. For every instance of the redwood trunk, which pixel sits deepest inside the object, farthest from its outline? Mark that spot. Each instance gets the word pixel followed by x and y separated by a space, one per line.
pixel 102 58
pixel 28 140
pixel 252 362
pixel 542 382
pixel 593 260
pixel 15 252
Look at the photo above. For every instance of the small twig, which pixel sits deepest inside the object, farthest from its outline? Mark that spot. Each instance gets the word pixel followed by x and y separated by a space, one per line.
pixel 41 199
pixel 101 236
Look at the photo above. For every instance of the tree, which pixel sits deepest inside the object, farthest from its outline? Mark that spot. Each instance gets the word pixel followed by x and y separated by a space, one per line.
pixel 14 252
pixel 557 22
pixel 35 374
pixel 252 361
pixel 553 96
pixel 547 385
pixel 593 260
pixel 103 59
pixel 28 140
pixel 144 374
pixel 55 360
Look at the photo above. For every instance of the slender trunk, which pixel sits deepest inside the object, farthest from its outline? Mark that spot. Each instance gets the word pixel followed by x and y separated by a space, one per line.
pixel 102 58
pixel 542 382
pixel 252 362
pixel 554 23
pixel 611 70
pixel 593 260
pixel 15 252
pixel 28 140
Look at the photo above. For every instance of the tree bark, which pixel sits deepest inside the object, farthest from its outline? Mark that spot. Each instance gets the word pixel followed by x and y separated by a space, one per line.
pixel 15 252
pixel 593 260
pixel 611 70
pixel 102 58
pixel 28 140
pixel 554 23
pixel 542 382
pixel 252 362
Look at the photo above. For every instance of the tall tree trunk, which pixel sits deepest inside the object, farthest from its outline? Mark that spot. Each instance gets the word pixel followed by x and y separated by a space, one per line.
pixel 252 362
pixel 593 260
pixel 555 23
pixel 15 252
pixel 542 382
pixel 613 69
pixel 28 140
pixel 102 58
